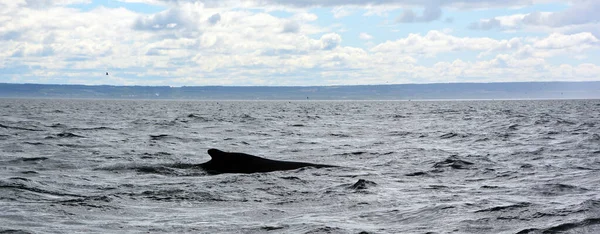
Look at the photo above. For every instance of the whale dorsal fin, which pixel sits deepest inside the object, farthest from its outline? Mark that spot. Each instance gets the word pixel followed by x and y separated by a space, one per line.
pixel 215 153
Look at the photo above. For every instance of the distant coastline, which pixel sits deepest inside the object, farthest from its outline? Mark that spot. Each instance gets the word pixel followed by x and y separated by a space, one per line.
pixel 436 91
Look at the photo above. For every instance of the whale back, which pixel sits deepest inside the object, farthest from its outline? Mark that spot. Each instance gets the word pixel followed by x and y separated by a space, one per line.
pixel 231 157
pixel 231 162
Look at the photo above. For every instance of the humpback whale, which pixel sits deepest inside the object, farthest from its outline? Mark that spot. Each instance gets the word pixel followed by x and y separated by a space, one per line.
pixel 230 162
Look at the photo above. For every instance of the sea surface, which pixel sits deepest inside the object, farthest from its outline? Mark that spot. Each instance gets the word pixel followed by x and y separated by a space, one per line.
pixel 126 166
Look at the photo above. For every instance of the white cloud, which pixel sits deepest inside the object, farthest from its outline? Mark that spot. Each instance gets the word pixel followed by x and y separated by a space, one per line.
pixel 435 42
pixel 304 17
pixel 581 16
pixel 509 22
pixel 555 45
pixel 344 7
pixel 341 11
pixel 365 36
pixel 193 43
pixel 576 42
pixel 49 3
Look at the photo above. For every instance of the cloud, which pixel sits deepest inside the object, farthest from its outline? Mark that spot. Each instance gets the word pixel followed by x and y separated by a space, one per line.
pixel 580 41
pixel 365 36
pixel 330 41
pixel 486 24
pixel 341 11
pixel 45 40
pixel 436 42
pixel 193 43
pixel 214 19
pixel 304 16
pixel 186 17
pixel 387 60
pixel 510 22
pixel 341 7
pixel 345 4
pixel 581 12
pixel 430 13
pixel 581 16
pixel 556 44
pixel 50 3
pixel 407 16
pixel 291 27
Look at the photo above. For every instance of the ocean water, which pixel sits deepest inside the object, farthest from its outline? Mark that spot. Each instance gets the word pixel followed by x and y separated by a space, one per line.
pixel 125 166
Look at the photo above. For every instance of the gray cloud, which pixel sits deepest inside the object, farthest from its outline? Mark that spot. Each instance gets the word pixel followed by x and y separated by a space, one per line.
pixel 153 51
pixel 330 41
pixel 214 19
pixel 176 22
pixel 534 18
pixel 406 16
pixel 486 24
pixel 460 4
pixel 430 13
pixel 40 4
pixel 170 19
pixel 580 13
pixel 43 52
pixel 291 27
pixel 10 35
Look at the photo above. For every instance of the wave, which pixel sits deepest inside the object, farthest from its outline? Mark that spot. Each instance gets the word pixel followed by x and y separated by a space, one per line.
pixel 94 128
pixel 175 169
pixel 583 225
pixel 30 159
pixel 558 189
pixel 24 184
pixel 362 184
pixel 65 135
pixel 505 208
pixel 454 162
pixel 14 231
pixel 20 128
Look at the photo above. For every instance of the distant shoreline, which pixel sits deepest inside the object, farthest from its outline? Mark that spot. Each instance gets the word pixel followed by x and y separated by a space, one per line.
pixel 415 92
pixel 293 100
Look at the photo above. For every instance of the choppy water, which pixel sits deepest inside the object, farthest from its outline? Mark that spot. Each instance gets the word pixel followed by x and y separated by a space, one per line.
pixel 114 166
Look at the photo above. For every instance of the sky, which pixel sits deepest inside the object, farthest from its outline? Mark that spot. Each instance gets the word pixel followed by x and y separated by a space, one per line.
pixel 297 42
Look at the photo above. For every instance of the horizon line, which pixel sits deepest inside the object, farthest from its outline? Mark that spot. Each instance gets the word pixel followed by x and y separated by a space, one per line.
pixel 291 86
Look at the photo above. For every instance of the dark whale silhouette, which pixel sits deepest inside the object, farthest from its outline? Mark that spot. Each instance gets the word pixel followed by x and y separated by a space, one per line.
pixel 230 162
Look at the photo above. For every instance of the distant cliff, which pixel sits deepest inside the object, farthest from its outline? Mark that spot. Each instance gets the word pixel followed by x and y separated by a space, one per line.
pixel 512 90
